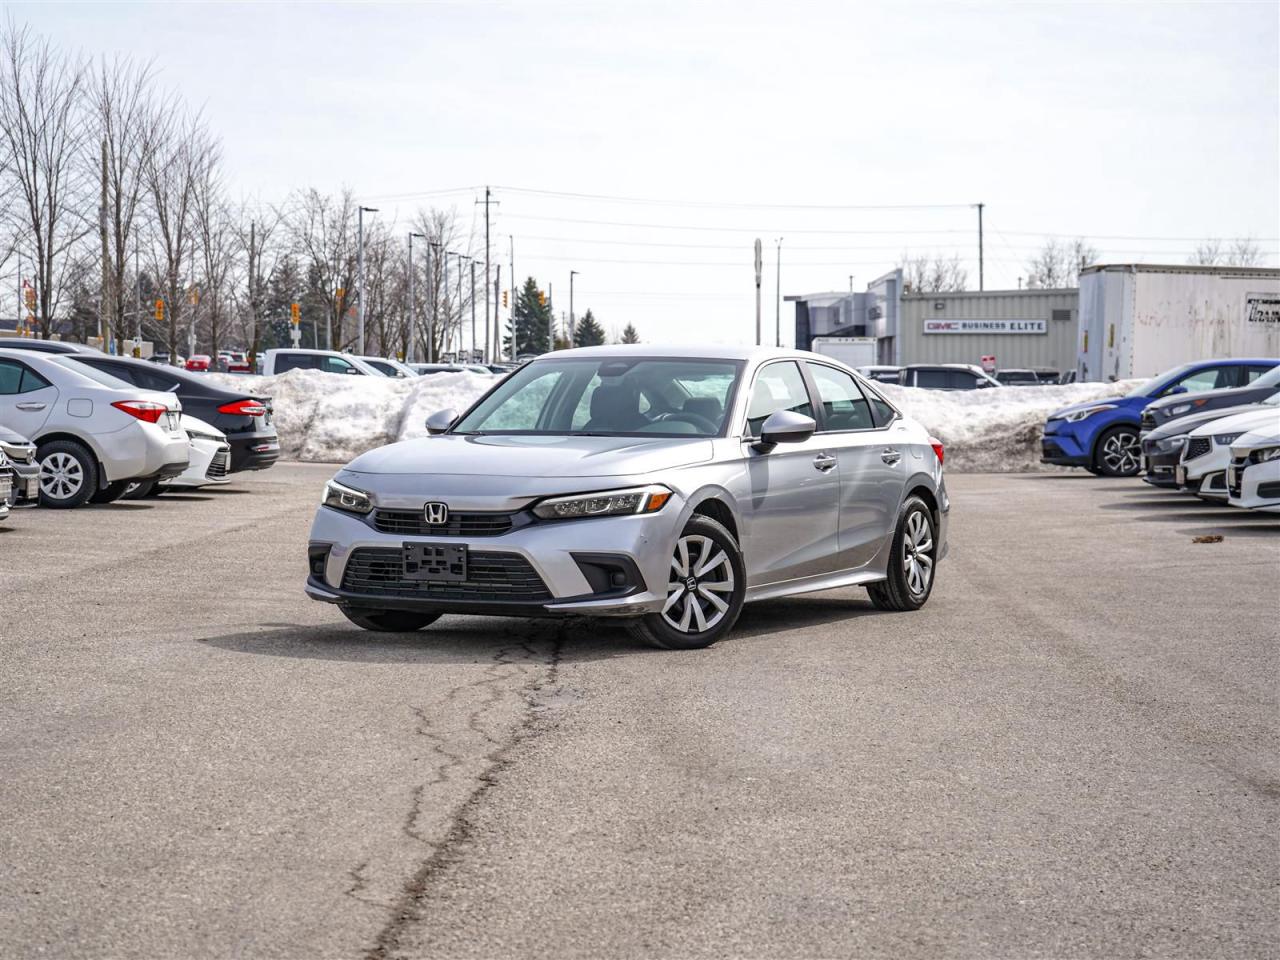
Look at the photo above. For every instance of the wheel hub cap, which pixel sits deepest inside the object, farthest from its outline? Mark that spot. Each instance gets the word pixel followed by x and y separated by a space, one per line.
pixel 917 554
pixel 60 476
pixel 700 586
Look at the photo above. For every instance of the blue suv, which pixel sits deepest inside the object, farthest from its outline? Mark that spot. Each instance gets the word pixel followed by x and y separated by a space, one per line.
pixel 1102 435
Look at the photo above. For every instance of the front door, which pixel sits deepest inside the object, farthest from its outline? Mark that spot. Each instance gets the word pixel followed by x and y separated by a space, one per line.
pixel 789 506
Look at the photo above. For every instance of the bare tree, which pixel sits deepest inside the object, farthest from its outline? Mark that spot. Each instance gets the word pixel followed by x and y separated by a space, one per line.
pixel 42 130
pixel 1207 254
pixel 324 229
pixel 124 119
pixel 933 273
pixel 216 240
pixel 444 304
pixel 1244 252
pixel 1057 266
pixel 171 174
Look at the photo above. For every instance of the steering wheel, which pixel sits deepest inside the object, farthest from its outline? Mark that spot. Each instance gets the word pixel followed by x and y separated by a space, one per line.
pixel 693 419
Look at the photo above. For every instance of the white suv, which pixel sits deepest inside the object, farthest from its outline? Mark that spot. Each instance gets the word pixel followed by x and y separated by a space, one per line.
pixel 93 433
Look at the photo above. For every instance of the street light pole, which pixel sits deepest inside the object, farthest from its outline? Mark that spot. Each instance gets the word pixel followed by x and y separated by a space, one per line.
pixel 434 292
pixel 413 304
pixel 777 307
pixel 473 312
pixel 573 326
pixel 360 276
pixel 512 317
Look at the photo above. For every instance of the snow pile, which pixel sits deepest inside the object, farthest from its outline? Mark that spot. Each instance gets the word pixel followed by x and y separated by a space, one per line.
pixel 335 417
pixel 996 430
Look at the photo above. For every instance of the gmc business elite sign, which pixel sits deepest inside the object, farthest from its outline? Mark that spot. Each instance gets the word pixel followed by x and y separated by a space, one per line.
pixel 986 326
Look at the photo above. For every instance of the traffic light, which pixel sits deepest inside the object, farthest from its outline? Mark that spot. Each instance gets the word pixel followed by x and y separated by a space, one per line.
pixel 160 311
pixel 504 298
pixel 542 299
pixel 295 314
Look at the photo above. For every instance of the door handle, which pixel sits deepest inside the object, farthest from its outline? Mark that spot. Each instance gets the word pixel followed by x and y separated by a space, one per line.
pixel 29 405
pixel 824 462
pixel 890 456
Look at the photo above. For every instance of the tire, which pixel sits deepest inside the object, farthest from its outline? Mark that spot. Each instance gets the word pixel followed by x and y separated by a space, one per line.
pixel 712 563
pixel 1118 453
pixel 68 474
pixel 157 489
pixel 138 489
pixel 913 561
pixel 389 621
pixel 110 493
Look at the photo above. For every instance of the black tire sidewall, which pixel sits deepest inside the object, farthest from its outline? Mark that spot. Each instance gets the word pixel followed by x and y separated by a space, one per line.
pixel 660 633
pixel 88 467
pixel 110 493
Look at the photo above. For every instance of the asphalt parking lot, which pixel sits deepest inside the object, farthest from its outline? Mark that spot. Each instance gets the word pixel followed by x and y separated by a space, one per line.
pixel 1072 750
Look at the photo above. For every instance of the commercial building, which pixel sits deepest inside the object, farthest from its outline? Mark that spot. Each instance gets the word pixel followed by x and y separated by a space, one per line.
pixel 1020 328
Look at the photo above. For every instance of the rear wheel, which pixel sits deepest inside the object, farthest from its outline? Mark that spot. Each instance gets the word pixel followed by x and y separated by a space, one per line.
pixel 68 474
pixel 138 489
pixel 706 587
pixel 1119 452
pixel 389 621
pixel 913 556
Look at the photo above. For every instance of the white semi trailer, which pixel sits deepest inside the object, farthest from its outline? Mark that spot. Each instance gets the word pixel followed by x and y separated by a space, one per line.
pixel 851 351
pixel 1138 319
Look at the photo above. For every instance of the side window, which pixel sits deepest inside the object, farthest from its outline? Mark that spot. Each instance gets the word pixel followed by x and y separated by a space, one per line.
pixel 1210 379
pixel 32 381
pixel 10 377
pixel 778 386
pixel 153 380
pixel 881 412
pixel 121 370
pixel 933 379
pixel 1253 373
pixel 843 406
pixel 336 365
pixel 294 361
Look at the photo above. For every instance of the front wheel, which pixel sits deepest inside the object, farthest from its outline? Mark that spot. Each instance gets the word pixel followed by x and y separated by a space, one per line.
pixel 389 621
pixel 1119 452
pixel 707 584
pixel 912 558
pixel 68 474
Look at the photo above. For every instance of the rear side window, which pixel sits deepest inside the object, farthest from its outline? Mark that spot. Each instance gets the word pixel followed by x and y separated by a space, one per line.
pixel 17 378
pixel 933 379
pixel 1253 373
pixel 843 405
pixel 778 386
pixel 121 371
pixel 294 361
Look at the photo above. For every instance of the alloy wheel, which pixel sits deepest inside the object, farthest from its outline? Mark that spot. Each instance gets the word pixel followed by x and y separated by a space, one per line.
pixel 700 584
pixel 1120 452
pixel 917 548
pixel 61 476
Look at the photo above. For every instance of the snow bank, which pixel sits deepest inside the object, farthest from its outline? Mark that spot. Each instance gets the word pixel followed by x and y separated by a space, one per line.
pixel 335 417
pixel 996 430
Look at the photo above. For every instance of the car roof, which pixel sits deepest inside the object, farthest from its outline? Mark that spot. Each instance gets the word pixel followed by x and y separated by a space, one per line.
pixel 34 345
pixel 706 351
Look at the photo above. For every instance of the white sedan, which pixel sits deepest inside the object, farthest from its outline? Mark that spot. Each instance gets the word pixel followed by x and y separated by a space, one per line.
pixel 1253 478
pixel 1206 454
pixel 93 433
pixel 210 455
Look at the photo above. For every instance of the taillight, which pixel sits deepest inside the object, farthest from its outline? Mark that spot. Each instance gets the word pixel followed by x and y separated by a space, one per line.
pixel 937 447
pixel 146 410
pixel 244 408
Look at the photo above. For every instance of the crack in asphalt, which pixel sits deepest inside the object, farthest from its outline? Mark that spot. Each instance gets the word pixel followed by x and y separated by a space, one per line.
pixel 406 910
pixel 360 883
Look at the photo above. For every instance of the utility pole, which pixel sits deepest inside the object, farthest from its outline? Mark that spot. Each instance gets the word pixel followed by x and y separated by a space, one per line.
pixel 497 299
pixel 434 292
pixel 512 317
pixel 360 277
pixel 777 307
pixel 137 292
pixel 444 331
pixel 573 324
pixel 104 308
pixel 758 263
pixel 473 313
pixel 487 355
pixel 551 320
pixel 980 278
pixel 413 304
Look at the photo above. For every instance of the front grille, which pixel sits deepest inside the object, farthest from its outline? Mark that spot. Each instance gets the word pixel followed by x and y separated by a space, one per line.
pixel 1197 447
pixel 218 466
pixel 491 577
pixel 414 523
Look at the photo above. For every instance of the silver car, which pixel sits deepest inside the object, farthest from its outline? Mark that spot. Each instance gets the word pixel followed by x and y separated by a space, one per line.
pixel 668 486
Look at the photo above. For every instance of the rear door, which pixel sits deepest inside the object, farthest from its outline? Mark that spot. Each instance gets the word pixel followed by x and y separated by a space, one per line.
pixel 26 398
pixel 871 465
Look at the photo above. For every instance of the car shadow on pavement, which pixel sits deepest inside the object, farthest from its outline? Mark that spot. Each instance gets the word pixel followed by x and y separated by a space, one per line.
pixel 773 616
pixel 448 640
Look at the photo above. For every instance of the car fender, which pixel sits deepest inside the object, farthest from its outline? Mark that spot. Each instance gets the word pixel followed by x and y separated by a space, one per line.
pixel 711 491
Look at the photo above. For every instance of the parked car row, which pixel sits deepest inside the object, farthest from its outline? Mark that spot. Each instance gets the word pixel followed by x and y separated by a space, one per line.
pixel 1211 428
pixel 962 376
pixel 80 426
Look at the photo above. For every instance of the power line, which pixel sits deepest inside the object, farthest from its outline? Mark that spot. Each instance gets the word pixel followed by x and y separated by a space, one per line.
pixel 734 205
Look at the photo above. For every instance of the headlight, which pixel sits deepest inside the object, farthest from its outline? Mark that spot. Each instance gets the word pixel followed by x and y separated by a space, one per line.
pixel 1226 439
pixel 341 497
pixel 1075 416
pixel 610 503
pixel 1179 410
pixel 1265 454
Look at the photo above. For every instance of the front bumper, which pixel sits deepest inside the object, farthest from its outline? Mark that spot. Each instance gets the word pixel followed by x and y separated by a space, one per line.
pixel 1255 486
pixel 1160 464
pixel 26 482
pixel 550 557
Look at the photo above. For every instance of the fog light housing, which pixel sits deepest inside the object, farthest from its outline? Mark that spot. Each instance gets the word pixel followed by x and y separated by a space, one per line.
pixel 317 557
pixel 609 574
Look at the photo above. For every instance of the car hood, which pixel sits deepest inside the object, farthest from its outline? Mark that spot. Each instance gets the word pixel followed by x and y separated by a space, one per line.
pixel 531 456
pixel 1112 401
pixel 1220 397
pixel 1255 418
pixel 1189 422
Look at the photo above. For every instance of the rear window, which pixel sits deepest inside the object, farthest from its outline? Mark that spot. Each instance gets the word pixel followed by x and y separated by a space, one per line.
pixel 88 372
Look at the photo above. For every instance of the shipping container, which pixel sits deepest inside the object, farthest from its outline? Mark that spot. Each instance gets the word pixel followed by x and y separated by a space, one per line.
pixel 851 351
pixel 1137 319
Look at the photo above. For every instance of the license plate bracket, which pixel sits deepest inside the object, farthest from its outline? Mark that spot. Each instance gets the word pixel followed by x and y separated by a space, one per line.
pixel 436 562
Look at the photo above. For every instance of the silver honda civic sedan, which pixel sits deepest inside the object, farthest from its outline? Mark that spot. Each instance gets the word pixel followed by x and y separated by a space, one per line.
pixel 668 486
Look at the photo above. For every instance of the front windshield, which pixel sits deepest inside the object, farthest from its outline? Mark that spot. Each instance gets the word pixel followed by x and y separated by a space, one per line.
pixel 610 396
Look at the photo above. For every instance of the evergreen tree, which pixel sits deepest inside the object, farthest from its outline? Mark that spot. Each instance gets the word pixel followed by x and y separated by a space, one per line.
pixel 629 334
pixel 533 320
pixel 588 333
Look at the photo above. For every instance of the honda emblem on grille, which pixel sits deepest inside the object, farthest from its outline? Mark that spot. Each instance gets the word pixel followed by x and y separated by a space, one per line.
pixel 436 514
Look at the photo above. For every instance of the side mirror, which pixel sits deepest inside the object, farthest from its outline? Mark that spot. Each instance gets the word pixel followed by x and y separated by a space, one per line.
pixel 441 421
pixel 785 426
pixel 1174 391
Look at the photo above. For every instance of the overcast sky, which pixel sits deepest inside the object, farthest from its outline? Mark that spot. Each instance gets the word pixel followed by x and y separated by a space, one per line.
pixel 1139 126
